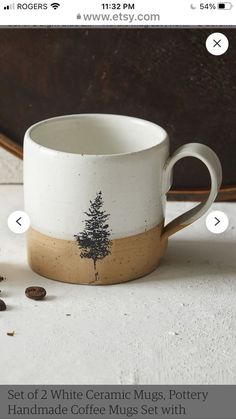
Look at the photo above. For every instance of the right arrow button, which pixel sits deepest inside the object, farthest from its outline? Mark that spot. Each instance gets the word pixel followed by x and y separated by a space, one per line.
pixel 217 222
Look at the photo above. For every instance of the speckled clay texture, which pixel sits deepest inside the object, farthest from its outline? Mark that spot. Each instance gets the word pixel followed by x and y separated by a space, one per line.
pixel 131 257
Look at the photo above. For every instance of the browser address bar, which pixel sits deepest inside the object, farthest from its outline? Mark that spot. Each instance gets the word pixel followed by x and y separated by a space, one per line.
pixel 118 13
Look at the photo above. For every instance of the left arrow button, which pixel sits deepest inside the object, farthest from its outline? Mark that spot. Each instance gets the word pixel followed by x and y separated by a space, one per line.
pixel 18 222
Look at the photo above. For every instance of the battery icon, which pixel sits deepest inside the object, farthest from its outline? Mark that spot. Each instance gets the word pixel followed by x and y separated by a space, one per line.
pixel 225 6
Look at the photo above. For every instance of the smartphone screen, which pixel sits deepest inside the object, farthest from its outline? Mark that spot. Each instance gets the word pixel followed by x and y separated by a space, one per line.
pixel 118 190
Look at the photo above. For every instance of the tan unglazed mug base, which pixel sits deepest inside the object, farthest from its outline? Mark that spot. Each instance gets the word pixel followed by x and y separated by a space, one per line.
pixel 130 258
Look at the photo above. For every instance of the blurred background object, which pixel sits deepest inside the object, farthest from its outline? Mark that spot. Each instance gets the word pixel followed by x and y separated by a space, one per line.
pixel 163 75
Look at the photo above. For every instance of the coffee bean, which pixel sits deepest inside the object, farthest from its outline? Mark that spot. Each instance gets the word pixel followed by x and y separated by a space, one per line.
pixel 2 305
pixel 35 293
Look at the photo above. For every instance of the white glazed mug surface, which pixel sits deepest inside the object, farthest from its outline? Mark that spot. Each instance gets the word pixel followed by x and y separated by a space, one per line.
pixel 95 190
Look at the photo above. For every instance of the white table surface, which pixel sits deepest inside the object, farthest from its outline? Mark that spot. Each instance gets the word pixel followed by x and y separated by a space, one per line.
pixel 175 326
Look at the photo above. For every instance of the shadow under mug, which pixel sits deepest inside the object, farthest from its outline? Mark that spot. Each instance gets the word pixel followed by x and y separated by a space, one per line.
pixel 95 189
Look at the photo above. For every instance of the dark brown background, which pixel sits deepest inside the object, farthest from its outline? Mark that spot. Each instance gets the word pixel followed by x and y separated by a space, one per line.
pixel 164 75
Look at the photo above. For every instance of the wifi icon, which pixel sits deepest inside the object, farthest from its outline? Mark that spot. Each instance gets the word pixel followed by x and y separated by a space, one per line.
pixel 55 5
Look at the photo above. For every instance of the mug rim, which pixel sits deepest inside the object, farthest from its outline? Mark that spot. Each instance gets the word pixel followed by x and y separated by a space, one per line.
pixel 161 143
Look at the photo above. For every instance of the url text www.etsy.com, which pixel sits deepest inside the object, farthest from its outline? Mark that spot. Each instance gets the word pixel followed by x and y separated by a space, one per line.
pixel 119 17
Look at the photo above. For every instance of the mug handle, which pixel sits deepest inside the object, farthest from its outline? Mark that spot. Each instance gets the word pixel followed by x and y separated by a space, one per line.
pixel 210 159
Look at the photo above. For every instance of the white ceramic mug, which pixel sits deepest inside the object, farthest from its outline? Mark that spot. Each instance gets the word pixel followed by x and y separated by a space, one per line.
pixel 95 189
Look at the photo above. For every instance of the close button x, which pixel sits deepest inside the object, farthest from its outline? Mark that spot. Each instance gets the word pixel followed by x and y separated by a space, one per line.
pixel 217 43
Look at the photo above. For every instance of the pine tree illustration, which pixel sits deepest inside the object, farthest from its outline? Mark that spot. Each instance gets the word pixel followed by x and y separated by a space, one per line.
pixel 94 241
